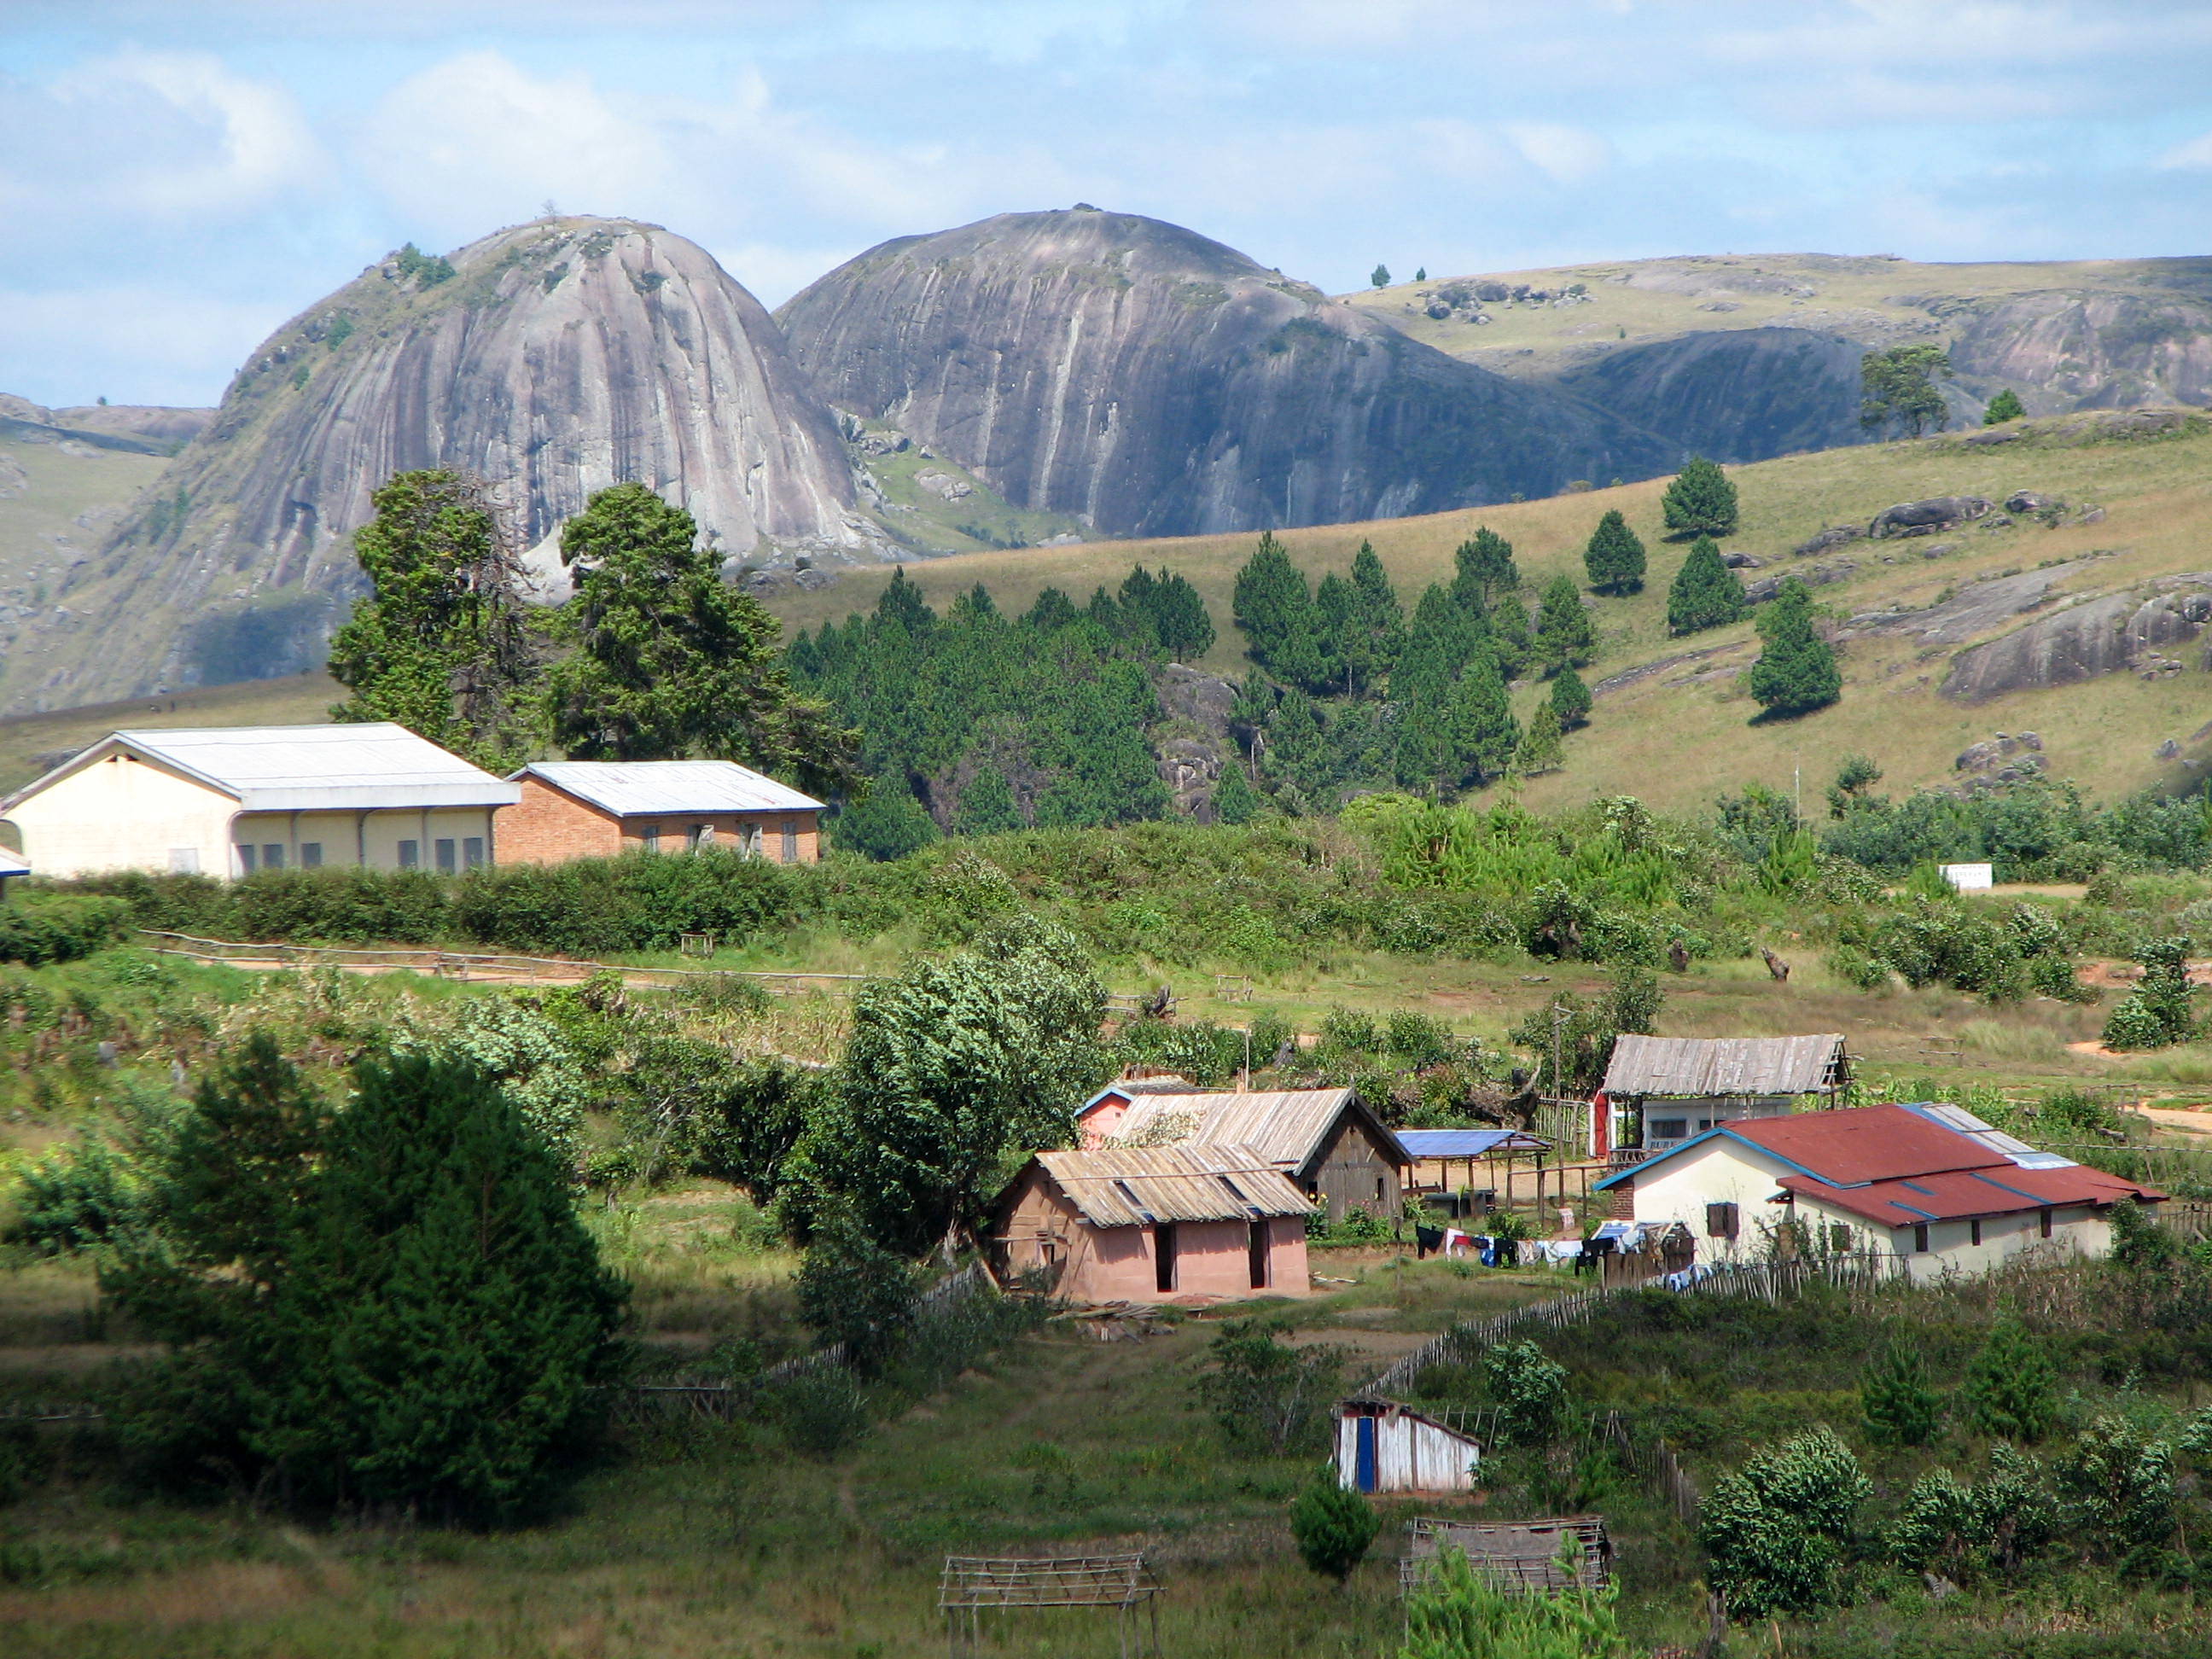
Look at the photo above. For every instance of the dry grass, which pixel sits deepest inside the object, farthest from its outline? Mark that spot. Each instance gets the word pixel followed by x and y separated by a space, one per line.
pixel 30 742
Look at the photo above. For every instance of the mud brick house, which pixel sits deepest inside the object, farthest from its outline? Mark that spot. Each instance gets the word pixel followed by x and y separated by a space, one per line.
pixel 600 809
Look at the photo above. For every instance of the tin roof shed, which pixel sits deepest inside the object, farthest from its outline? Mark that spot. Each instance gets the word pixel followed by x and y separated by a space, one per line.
pixel 1702 1067
pixel 1289 1126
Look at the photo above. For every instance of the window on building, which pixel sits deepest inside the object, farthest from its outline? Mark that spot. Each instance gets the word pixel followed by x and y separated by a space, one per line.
pixel 411 855
pixel 184 860
pixel 649 838
pixel 699 836
pixel 1720 1220
pixel 791 840
pixel 272 855
pixel 445 849
pixel 311 855
pixel 1974 1230
pixel 1670 1128
pixel 1920 1239
pixel 245 859
pixel 2043 1222
pixel 472 852
pixel 752 834
pixel 1839 1238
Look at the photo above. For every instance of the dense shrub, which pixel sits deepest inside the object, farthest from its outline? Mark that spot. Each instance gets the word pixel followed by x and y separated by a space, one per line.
pixel 39 928
pixel 1774 1528
pixel 1266 1396
pixel 1332 1526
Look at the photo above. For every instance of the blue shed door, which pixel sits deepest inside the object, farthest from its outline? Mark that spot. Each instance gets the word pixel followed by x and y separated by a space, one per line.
pixel 1363 1455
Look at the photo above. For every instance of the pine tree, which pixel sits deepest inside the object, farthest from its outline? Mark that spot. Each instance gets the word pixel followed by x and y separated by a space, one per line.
pixel 1510 638
pixel 1480 717
pixel 1483 570
pixel 1540 750
pixel 1797 672
pixel 1701 501
pixel 1705 593
pixel 1900 1407
pixel 987 805
pixel 1179 616
pixel 1438 643
pixel 901 602
pixel 887 823
pixel 1614 557
pixel 1235 799
pixel 1571 700
pixel 2005 406
pixel 2011 1388
pixel 1333 1526
pixel 1380 276
pixel 1564 634
pixel 1298 748
pixel 1275 609
pixel 1103 611
pixel 1372 647
pixel 1053 609
pixel 1336 604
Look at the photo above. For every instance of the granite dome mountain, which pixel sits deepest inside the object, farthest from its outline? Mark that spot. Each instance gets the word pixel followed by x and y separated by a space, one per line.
pixel 1150 382
pixel 552 358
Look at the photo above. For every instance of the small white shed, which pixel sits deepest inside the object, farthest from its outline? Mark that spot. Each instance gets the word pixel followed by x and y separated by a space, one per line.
pixel 1382 1446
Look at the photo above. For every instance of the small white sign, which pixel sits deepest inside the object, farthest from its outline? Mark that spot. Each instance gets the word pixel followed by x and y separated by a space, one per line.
pixel 1968 878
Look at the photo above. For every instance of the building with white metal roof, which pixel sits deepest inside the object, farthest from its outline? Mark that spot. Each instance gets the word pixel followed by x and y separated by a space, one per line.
pixel 231 800
pixel 1684 1085
pixel 601 809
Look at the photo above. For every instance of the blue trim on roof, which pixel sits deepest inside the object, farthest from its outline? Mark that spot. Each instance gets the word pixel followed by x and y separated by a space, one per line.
pixel 1704 1136
pixel 1464 1143
pixel 1914 1209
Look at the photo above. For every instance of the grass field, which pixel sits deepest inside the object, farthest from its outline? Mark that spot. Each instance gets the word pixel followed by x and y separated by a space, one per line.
pixel 1677 745
pixel 29 744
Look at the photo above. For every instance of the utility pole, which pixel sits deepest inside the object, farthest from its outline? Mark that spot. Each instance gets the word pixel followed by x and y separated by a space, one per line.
pixel 1248 1059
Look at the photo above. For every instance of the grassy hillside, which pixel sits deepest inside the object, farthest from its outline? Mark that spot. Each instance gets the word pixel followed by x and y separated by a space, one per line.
pixel 1876 300
pixel 30 744
pixel 1674 740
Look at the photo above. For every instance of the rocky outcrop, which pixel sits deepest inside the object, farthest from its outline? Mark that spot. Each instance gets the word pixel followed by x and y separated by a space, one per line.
pixel 1149 382
pixel 1743 395
pixel 2106 634
pixel 1927 518
pixel 552 359
pixel 2091 350
pixel 141 428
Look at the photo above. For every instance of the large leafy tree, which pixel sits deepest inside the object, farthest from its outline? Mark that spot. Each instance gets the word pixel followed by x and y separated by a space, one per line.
pixel 1615 557
pixel 1900 393
pixel 1701 501
pixel 1797 672
pixel 393 1306
pixel 956 1069
pixel 441 644
pixel 1705 593
pixel 672 661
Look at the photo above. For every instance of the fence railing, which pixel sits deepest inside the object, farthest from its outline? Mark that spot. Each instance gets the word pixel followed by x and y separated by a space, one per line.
pixel 1654 1459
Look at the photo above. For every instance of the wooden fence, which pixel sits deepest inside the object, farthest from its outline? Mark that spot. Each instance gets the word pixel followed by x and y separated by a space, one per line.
pixel 1654 1459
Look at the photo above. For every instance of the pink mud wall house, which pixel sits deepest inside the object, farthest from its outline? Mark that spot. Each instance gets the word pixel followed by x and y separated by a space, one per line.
pixel 1154 1224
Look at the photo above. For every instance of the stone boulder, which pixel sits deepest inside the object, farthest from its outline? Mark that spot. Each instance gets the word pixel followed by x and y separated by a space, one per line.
pixel 1742 562
pixel 1938 513
pixel 2027 500
pixel 1191 766
pixel 1818 575
pixel 1204 700
pixel 1833 536
pixel 2103 635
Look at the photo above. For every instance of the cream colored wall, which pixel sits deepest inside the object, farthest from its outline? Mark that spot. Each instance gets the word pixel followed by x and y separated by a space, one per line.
pixel 123 813
pixel 342 834
pixel 1719 1172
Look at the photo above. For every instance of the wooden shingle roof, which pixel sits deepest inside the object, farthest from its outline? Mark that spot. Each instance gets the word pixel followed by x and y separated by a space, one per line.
pixel 1697 1067
pixel 1288 1126
pixel 1137 1186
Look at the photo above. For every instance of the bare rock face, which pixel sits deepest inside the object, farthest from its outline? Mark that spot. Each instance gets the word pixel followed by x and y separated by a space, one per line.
pixel 1927 518
pixel 552 359
pixel 2092 350
pixel 141 428
pixel 1739 395
pixel 1152 382
pixel 2107 635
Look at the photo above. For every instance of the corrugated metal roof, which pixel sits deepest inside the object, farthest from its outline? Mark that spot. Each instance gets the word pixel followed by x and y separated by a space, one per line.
pixel 637 788
pixel 1697 1067
pixel 1469 1143
pixel 278 768
pixel 1288 1125
pixel 1137 1186
pixel 1959 1118
pixel 1128 1088
pixel 1963 1194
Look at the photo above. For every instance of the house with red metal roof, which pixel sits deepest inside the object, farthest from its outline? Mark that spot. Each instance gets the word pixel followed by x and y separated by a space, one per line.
pixel 1930 1184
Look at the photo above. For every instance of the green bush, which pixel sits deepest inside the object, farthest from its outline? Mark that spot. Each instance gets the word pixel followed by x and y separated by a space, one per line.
pixel 1266 1396
pixel 1900 1407
pixel 41 929
pixel 1530 1392
pixel 1332 1526
pixel 1775 1530
pixel 2010 1391
pixel 1455 1613
pixel 855 1292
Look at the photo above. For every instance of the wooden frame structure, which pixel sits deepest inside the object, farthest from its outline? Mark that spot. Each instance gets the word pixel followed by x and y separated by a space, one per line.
pixel 973 1583
pixel 1516 1556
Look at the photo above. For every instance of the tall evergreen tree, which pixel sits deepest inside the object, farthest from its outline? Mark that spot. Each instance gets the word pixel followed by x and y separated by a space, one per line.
pixel 1615 557
pixel 1701 501
pixel 1336 603
pixel 1053 609
pixel 1275 608
pixel 441 645
pixel 1510 637
pixel 1705 593
pixel 1381 632
pixel 1566 636
pixel 1235 799
pixel 672 661
pixel 886 823
pixel 1438 643
pixel 900 602
pixel 1483 570
pixel 1571 700
pixel 987 805
pixel 1541 749
pixel 2005 406
pixel 1484 733
pixel 1102 610
pixel 1298 749
pixel 1179 616
pixel 1797 672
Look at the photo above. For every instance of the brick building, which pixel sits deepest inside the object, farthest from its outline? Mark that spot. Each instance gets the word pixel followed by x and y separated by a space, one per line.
pixel 600 809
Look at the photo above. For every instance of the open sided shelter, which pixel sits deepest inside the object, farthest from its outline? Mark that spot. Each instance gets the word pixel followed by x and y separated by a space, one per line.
pixel 1682 1086
pixel 972 1585
pixel 1332 1148
pixel 1517 1557
pixel 1146 1223
pixel 230 800
pixel 598 809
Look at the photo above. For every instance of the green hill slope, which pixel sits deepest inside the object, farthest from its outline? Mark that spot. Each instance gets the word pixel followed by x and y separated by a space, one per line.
pixel 1680 731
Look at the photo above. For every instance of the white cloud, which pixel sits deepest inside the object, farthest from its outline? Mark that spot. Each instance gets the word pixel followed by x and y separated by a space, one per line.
pixel 475 141
pixel 165 136
pixel 1568 155
pixel 2196 153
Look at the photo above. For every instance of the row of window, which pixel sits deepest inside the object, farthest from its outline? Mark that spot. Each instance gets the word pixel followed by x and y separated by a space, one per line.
pixel 1720 1222
pixel 747 840
pixel 451 854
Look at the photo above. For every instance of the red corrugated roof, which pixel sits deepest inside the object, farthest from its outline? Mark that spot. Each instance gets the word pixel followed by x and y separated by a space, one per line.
pixel 1962 1194
pixel 1867 1143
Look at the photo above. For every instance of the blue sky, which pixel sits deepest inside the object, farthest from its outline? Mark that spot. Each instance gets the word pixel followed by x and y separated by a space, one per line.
pixel 177 178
